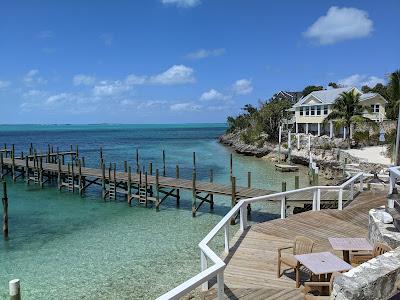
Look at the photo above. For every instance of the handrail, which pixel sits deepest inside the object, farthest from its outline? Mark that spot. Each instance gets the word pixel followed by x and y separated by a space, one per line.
pixel 394 173
pixel 217 269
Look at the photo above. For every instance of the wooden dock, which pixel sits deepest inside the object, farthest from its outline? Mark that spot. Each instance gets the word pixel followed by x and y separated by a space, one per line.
pixel 68 171
pixel 252 263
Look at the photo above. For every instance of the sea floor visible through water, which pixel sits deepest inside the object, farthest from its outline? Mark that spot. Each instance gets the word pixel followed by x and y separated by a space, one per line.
pixel 63 246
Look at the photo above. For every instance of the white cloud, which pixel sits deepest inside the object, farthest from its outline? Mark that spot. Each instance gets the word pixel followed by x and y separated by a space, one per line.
pixel 34 94
pixel 185 106
pixel 133 79
pixel 242 87
pixel 203 53
pixel 58 99
pixel 182 3
pixel 152 104
pixel 358 80
pixel 107 39
pixel 45 34
pixel 340 24
pixel 32 78
pixel 107 88
pixel 4 84
pixel 81 79
pixel 177 74
pixel 214 95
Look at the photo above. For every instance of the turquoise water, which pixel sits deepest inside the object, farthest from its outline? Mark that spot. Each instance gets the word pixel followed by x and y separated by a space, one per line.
pixel 63 246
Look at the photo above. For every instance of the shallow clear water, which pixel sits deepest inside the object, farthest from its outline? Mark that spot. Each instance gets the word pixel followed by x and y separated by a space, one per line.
pixel 63 246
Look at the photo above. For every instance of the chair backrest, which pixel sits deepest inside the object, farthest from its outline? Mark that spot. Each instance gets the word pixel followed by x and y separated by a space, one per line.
pixel 302 245
pixel 333 276
pixel 380 248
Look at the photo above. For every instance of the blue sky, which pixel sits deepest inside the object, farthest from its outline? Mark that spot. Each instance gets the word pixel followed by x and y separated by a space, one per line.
pixel 179 61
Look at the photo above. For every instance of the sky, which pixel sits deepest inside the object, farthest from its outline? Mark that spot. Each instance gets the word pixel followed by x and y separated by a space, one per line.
pixel 182 61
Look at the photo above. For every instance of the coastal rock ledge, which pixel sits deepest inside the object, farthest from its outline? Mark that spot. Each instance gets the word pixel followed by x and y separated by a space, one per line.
pixel 233 140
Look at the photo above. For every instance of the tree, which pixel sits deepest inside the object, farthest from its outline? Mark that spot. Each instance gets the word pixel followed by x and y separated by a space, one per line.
pixel 347 110
pixel 311 88
pixel 394 101
pixel 333 85
pixel 365 89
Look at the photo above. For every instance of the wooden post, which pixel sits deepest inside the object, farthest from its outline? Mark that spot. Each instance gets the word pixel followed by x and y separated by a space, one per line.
pixel 5 211
pixel 289 148
pixel 73 176
pixel 26 170
pixel 14 289
pixel 157 190
pixel 5 149
pixel 14 177
pixel 137 161
pixel 194 195
pixel 178 196
pixel 101 157
pixel 233 199
pixel 163 159
pixel 194 160
pixel 58 176
pixel 296 182
pixel 1 165
pixel 80 178
pixel 283 203
pixel 103 181
pixel 115 181
pixel 150 168
pixel 77 151
pixel 129 187
pixel 279 143
pixel 41 172
pixel 145 189
pixel 231 164
pixel 31 149
pixel 211 195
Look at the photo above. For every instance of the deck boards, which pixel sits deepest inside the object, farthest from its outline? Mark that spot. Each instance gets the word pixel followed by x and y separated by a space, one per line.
pixel 252 264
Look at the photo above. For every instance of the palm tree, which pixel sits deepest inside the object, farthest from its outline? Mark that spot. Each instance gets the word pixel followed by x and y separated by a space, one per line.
pixel 394 92
pixel 347 110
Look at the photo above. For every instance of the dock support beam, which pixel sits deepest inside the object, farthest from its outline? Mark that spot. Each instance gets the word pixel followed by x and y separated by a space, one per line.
pixel 5 211
pixel 211 194
pixel 194 193
pixel 178 196
pixel 233 199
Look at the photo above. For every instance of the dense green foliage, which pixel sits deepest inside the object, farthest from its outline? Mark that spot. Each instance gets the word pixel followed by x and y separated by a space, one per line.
pixel 260 124
pixel 311 88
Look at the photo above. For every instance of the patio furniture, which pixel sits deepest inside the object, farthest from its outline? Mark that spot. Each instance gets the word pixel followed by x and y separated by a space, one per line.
pixel 311 286
pixel 379 249
pixel 323 263
pixel 349 244
pixel 301 245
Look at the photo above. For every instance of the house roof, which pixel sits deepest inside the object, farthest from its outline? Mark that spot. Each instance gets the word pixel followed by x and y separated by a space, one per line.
pixel 329 96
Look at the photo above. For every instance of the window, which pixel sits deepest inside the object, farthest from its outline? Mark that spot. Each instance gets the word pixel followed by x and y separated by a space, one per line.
pixel 301 111
pixel 375 108
pixel 307 111
pixel 318 110
pixel 312 110
pixel 325 109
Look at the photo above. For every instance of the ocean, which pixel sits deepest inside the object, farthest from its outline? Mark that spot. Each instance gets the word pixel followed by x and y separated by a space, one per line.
pixel 63 246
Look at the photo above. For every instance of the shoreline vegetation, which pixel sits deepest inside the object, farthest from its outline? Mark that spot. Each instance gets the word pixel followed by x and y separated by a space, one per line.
pixel 255 131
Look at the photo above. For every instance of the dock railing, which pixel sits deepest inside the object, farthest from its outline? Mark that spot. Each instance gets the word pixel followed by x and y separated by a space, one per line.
pixel 218 265
pixel 394 175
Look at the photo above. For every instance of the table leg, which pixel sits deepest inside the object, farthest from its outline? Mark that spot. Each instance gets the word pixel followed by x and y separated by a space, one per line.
pixel 346 256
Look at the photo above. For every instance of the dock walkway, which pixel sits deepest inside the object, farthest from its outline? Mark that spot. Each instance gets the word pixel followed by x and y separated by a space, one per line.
pixel 252 264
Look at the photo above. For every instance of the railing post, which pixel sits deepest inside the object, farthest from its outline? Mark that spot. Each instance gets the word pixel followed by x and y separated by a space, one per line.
pixel 203 263
pixel 340 200
pixel 283 207
pixel 392 182
pixel 226 235
pixel 352 190
pixel 318 199
pixel 243 217
pixel 361 183
pixel 220 285
pixel 314 200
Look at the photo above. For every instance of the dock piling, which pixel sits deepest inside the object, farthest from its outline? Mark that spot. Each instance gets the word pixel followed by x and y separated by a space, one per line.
pixel 5 211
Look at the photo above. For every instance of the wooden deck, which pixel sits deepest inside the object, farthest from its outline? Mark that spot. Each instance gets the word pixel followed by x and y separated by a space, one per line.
pixel 252 264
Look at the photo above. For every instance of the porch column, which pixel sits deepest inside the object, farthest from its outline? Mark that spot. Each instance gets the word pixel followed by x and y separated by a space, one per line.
pixel 344 133
pixel 306 128
pixel 351 131
pixel 319 129
pixel 331 129
pixel 297 128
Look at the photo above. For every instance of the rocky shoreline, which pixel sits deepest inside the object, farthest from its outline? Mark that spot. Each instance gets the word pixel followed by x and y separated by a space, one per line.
pixel 326 153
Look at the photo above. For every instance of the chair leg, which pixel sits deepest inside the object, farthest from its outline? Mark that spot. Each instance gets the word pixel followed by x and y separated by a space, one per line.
pixel 297 269
pixel 279 268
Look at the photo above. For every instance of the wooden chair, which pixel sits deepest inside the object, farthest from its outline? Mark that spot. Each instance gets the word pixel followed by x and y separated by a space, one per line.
pixel 301 245
pixel 311 286
pixel 379 249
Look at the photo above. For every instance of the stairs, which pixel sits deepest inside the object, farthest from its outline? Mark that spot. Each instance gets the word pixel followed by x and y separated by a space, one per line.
pixel 70 183
pixel 112 190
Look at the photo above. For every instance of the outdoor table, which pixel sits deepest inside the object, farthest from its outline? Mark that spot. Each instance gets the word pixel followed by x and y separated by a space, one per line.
pixel 350 244
pixel 321 263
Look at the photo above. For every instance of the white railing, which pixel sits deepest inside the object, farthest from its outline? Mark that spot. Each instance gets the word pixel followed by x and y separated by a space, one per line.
pixel 218 267
pixel 394 175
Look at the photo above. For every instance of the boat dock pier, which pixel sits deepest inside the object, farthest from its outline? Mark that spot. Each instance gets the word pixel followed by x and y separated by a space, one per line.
pixel 68 171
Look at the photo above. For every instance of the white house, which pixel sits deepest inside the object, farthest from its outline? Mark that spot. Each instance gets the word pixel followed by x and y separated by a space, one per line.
pixel 311 110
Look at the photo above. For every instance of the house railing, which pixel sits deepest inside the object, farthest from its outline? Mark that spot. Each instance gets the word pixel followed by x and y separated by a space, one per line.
pixel 218 265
